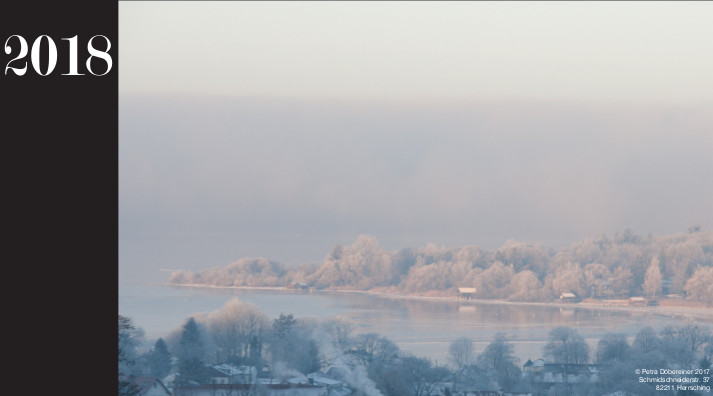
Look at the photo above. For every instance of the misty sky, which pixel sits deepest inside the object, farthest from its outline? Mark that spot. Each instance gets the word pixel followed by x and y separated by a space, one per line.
pixel 279 129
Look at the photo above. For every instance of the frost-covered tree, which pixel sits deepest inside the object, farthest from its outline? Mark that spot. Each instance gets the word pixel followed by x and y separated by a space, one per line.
pixel 494 282
pixel 523 256
pixel 622 282
pixel 595 277
pixel 599 267
pixel 653 279
pixel 567 278
pixel 691 336
pixel 238 330
pixel 612 346
pixel 362 265
pixel 700 286
pixel 525 286
pixel 339 331
pixel 499 359
pixel 372 346
pixel 290 343
pixel 565 345
pixel 679 351
pixel 421 376
pixel 461 353
pixel 646 340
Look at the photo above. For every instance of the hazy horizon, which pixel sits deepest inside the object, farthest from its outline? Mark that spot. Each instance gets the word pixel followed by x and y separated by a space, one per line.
pixel 279 130
pixel 288 187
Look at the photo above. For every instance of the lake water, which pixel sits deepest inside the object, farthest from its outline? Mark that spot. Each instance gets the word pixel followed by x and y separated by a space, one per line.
pixel 423 327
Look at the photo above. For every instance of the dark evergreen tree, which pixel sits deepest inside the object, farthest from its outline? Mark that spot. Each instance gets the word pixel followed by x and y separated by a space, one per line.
pixel 283 324
pixel 159 360
pixel 192 371
pixel 191 342
pixel 191 368
pixel 293 345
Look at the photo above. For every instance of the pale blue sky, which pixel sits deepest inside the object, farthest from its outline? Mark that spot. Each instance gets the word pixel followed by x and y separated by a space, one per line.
pixel 279 129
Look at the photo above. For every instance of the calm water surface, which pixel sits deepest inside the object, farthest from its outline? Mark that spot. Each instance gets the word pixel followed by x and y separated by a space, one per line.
pixel 423 327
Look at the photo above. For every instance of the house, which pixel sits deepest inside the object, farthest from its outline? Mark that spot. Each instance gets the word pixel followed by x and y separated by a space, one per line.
pixel 533 367
pixel 229 374
pixel 283 389
pixel 341 368
pixel 320 380
pixel 568 298
pixel 333 387
pixel 317 379
pixel 466 293
pixel 298 286
pixel 637 302
pixel 149 386
pixel 551 373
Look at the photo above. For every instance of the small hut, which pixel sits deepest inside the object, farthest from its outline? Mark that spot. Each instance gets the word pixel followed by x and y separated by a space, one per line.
pixel 568 298
pixel 637 302
pixel 466 293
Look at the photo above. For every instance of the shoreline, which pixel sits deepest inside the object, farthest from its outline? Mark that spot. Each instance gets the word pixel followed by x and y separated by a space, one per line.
pixel 682 312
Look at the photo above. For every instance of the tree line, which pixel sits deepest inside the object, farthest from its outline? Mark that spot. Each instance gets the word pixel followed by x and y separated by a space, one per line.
pixel 600 267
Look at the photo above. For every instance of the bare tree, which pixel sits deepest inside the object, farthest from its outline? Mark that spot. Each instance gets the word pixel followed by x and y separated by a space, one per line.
pixel 499 359
pixel 421 375
pixel 693 336
pixel 461 353
pixel 373 346
pixel 340 330
pixel 612 346
pixel 646 340
pixel 129 337
pixel 565 345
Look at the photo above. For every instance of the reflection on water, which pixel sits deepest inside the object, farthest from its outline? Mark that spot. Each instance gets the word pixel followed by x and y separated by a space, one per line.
pixel 423 327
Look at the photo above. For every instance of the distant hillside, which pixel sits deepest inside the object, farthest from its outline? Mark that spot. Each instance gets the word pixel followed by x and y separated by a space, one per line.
pixel 599 267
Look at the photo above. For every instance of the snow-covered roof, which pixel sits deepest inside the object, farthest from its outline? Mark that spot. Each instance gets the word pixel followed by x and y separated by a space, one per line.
pixel 229 370
pixel 271 381
pixel 316 377
pixel 301 379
